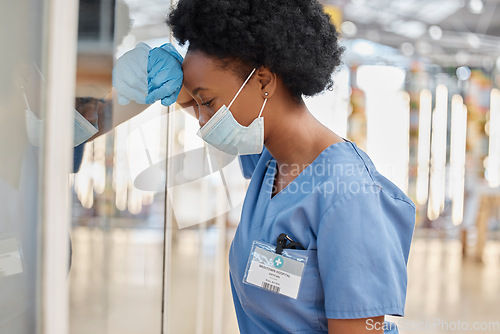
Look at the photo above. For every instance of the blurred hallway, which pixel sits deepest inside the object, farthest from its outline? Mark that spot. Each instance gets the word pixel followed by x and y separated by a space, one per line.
pixel 443 288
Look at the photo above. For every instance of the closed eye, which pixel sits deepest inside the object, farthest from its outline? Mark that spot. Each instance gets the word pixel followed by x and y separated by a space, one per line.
pixel 208 103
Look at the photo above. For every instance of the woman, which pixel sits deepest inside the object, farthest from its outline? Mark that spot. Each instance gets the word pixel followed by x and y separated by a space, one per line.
pixel 323 241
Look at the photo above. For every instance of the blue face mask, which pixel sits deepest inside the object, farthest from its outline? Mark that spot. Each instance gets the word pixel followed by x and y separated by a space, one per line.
pixel 83 129
pixel 224 133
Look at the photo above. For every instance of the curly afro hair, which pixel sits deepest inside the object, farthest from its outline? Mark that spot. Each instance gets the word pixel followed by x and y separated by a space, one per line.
pixel 295 39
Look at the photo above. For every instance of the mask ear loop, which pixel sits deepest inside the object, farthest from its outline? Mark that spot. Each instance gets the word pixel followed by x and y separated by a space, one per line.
pixel 263 106
pixel 25 98
pixel 241 88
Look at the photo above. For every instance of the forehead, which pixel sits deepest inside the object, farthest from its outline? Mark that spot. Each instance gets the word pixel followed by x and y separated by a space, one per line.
pixel 202 70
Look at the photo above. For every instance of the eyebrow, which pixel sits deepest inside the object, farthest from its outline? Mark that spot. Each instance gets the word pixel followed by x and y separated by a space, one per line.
pixel 196 90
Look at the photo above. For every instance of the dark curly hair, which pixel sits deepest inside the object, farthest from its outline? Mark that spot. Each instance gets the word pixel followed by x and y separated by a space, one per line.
pixel 295 39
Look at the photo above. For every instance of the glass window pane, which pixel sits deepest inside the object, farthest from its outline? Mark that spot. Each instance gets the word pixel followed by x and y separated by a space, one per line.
pixel 21 135
pixel 116 279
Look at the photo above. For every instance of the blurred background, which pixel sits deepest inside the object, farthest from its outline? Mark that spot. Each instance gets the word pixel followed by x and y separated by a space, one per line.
pixel 154 209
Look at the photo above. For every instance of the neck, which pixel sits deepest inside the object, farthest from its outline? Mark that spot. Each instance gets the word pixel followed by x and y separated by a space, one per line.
pixel 295 137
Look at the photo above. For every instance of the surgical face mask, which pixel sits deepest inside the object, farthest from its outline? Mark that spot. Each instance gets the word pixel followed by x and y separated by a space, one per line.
pixel 224 133
pixel 83 129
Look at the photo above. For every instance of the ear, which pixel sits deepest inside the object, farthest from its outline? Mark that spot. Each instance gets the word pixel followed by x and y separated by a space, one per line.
pixel 267 81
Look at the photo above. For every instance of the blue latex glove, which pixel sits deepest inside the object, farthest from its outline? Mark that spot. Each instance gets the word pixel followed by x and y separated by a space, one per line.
pixel 164 74
pixel 130 75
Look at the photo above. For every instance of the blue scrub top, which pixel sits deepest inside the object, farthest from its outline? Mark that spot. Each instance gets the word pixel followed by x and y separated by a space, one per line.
pixel 356 227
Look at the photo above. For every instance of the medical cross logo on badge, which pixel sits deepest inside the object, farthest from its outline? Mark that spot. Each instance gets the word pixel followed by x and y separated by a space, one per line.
pixel 278 262
pixel 278 277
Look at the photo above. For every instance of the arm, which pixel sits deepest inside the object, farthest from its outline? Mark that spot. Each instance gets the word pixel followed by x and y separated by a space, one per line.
pixel 356 326
pixel 131 84
pixel 363 246
pixel 107 120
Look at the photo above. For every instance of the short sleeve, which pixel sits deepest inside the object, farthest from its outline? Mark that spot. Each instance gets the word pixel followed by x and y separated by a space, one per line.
pixel 248 164
pixel 363 246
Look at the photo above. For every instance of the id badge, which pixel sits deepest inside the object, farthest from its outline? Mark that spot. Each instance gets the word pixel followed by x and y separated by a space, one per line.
pixel 11 256
pixel 281 274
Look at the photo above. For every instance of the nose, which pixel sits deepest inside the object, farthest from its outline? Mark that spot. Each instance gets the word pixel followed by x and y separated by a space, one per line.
pixel 203 117
pixel 202 120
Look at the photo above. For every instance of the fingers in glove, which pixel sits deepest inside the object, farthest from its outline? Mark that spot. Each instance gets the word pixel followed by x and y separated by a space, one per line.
pixel 171 49
pixel 168 89
pixel 168 63
pixel 155 56
pixel 167 101
pixel 131 93
pixel 122 100
pixel 163 77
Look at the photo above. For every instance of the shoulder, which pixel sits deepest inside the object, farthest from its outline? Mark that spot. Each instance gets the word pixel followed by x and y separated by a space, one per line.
pixel 347 172
pixel 386 186
pixel 368 203
pixel 340 170
pixel 351 188
pixel 369 210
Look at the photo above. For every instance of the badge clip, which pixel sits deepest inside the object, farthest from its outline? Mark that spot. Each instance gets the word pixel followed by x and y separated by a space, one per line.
pixel 281 243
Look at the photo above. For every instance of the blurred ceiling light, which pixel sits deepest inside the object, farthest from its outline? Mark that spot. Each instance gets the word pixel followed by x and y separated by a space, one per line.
pixel 349 29
pixel 463 73
pixel 435 32
pixel 461 57
pixel 99 167
pixel 434 12
pixel 358 2
pixel 410 29
pixel 493 164
pixel 407 49
pixel 473 40
pixel 476 6
pixel 424 47
pixel 386 144
pixel 357 11
pixel 457 158
pixel 364 48
pixel 424 145
pixel 385 18
pixel 368 78
pixel 438 154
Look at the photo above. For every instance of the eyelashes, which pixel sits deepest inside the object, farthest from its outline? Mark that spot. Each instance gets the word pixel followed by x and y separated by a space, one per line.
pixel 208 103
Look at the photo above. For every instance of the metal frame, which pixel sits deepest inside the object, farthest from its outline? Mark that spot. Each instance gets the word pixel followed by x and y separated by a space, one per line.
pixel 168 224
pixel 61 46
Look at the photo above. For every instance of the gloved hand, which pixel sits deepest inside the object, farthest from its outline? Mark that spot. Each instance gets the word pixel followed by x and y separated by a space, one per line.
pixel 164 74
pixel 130 76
